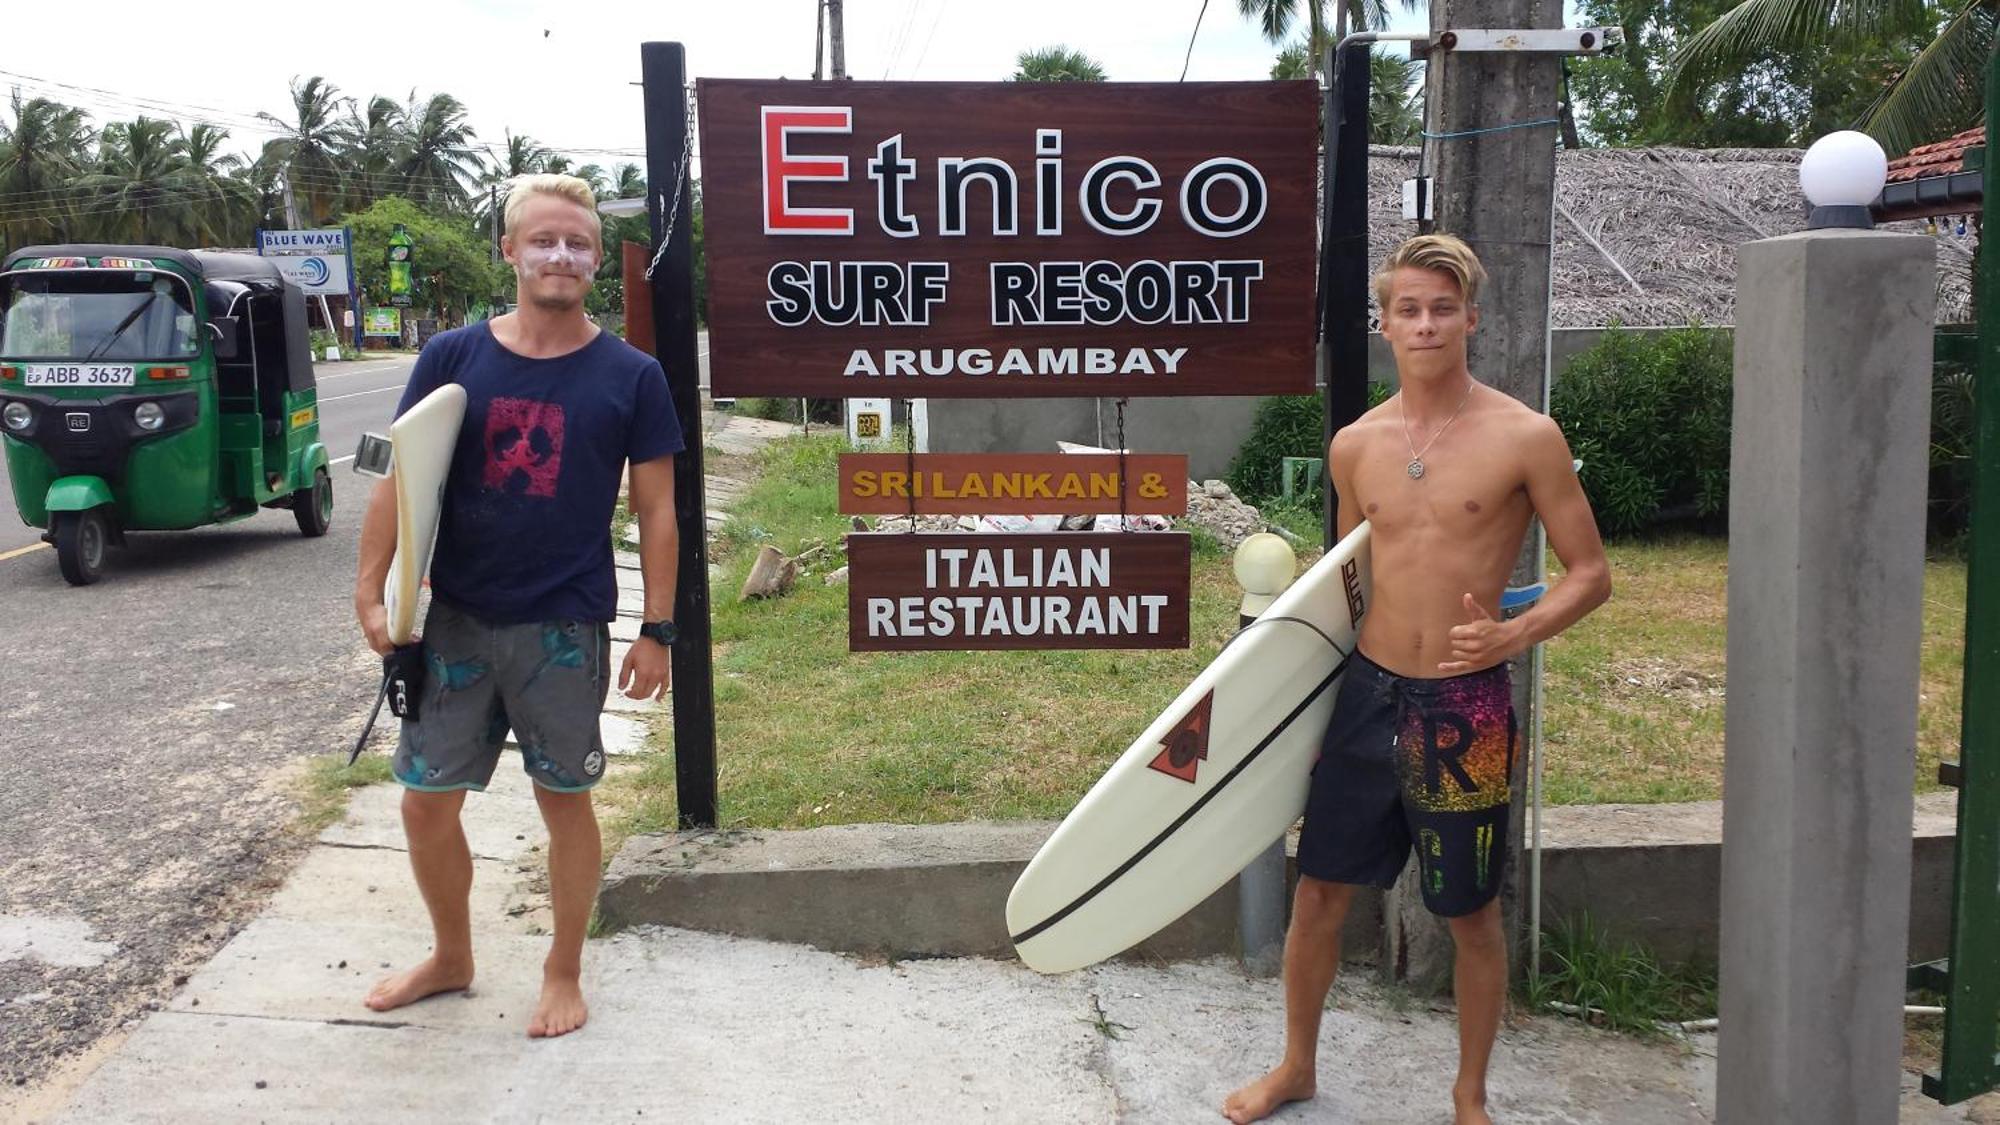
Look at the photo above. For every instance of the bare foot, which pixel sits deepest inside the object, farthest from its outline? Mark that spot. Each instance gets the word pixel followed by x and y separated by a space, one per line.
pixel 412 985
pixel 1261 1098
pixel 561 1009
pixel 1469 1109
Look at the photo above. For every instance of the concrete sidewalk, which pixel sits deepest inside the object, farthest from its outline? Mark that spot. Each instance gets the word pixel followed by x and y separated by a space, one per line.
pixel 691 1026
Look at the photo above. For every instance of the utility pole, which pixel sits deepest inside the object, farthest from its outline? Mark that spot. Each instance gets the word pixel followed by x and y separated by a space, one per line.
pixel 493 209
pixel 819 41
pixel 291 205
pixel 838 39
pixel 1492 139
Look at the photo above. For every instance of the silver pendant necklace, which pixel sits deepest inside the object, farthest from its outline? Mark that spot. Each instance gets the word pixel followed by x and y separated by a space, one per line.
pixel 1416 465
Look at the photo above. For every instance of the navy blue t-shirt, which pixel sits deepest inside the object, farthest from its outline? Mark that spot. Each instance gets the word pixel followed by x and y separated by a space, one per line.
pixel 525 533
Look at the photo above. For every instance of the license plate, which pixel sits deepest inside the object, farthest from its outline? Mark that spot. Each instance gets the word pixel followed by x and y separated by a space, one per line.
pixel 80 374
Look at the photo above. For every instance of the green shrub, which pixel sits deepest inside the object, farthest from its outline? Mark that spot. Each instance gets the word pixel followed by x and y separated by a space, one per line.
pixel 1649 416
pixel 769 409
pixel 1284 426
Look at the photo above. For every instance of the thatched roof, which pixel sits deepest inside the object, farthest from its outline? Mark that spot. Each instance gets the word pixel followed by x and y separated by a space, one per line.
pixel 1666 224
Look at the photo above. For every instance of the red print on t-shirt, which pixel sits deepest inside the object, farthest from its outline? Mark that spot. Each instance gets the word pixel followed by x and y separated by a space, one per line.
pixel 524 440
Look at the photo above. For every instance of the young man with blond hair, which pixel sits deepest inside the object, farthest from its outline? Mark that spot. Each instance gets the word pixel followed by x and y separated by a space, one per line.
pixel 1449 472
pixel 522 586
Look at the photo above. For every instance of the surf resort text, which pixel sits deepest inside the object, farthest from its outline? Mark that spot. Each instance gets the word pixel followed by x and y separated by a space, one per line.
pixel 1219 198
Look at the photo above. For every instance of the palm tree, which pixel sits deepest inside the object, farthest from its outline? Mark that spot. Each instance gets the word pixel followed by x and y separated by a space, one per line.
pixel 631 182
pixel 1939 93
pixel 1056 64
pixel 523 156
pixel 1395 107
pixel 593 175
pixel 378 138
pixel 223 201
pixel 1277 17
pixel 313 146
pixel 440 160
pixel 41 155
pixel 262 183
pixel 142 189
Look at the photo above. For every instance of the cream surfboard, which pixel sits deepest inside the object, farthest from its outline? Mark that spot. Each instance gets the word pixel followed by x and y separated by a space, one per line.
pixel 423 439
pixel 1211 783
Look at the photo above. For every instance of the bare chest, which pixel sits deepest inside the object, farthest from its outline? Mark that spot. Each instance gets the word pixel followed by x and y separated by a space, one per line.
pixel 1464 493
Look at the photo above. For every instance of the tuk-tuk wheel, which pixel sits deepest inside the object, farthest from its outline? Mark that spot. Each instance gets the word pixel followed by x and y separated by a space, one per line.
pixel 80 539
pixel 314 506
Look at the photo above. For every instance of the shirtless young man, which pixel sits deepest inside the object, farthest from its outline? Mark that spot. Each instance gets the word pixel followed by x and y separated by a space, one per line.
pixel 1422 739
pixel 522 584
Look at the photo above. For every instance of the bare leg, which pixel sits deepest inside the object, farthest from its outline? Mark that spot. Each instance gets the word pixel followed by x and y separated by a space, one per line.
pixel 576 855
pixel 1479 981
pixel 443 866
pixel 1312 957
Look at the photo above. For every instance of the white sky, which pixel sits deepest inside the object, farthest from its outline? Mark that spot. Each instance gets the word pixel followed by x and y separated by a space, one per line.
pixel 563 73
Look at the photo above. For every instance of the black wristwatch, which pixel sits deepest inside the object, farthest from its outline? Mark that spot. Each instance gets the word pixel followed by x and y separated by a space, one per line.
pixel 661 631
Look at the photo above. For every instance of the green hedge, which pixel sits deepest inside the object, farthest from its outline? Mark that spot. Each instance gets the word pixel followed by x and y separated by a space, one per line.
pixel 1648 414
pixel 1284 426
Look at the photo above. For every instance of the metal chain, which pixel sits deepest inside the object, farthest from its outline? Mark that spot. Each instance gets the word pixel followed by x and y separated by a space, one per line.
pixel 910 456
pixel 680 188
pixel 1124 478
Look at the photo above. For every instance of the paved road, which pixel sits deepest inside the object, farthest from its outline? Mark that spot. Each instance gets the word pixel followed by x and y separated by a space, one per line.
pixel 152 727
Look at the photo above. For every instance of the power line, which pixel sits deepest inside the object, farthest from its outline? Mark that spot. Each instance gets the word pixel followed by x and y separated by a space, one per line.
pixel 925 53
pixel 1197 31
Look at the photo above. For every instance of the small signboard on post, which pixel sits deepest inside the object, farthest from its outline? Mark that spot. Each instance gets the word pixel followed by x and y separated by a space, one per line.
pixel 1013 484
pixel 384 322
pixel 1067 590
pixel 969 240
pixel 867 421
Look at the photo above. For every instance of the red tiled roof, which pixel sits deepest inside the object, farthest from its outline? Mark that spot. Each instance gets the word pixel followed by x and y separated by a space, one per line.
pixel 1942 158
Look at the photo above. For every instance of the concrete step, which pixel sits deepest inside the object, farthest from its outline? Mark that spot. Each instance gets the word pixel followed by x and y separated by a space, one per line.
pixel 897 890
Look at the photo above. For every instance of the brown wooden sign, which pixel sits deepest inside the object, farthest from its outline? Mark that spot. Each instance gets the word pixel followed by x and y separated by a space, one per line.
pixel 1013 484
pixel 959 239
pixel 1068 590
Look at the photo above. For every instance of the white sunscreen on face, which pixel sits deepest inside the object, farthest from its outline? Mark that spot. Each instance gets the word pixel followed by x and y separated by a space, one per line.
pixel 563 258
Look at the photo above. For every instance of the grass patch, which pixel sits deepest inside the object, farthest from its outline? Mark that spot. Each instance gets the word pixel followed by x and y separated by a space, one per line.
pixel 1301 519
pixel 1635 692
pixel 622 522
pixel 1620 985
pixel 328 779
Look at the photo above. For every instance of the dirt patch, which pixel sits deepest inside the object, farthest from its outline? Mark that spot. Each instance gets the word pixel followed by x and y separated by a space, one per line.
pixel 1651 676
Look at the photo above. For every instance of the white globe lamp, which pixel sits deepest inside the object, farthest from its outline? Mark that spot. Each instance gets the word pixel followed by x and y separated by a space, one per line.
pixel 1265 565
pixel 1841 175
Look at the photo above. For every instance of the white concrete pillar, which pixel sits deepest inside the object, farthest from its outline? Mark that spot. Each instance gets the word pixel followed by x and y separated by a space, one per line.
pixel 1828 467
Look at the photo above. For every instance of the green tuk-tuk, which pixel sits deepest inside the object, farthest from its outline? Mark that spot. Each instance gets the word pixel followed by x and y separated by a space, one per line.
pixel 149 389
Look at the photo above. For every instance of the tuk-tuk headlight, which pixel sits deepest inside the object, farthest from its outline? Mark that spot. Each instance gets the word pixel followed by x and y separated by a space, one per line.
pixel 149 416
pixel 17 416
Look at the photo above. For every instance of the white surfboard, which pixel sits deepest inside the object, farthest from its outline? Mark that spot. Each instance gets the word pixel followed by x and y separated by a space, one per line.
pixel 1211 783
pixel 423 439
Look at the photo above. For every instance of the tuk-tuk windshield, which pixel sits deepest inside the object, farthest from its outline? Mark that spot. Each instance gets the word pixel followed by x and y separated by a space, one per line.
pixel 97 314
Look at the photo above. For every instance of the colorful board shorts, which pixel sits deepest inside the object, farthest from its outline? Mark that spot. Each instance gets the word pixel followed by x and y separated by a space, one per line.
pixel 546 681
pixel 1423 761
